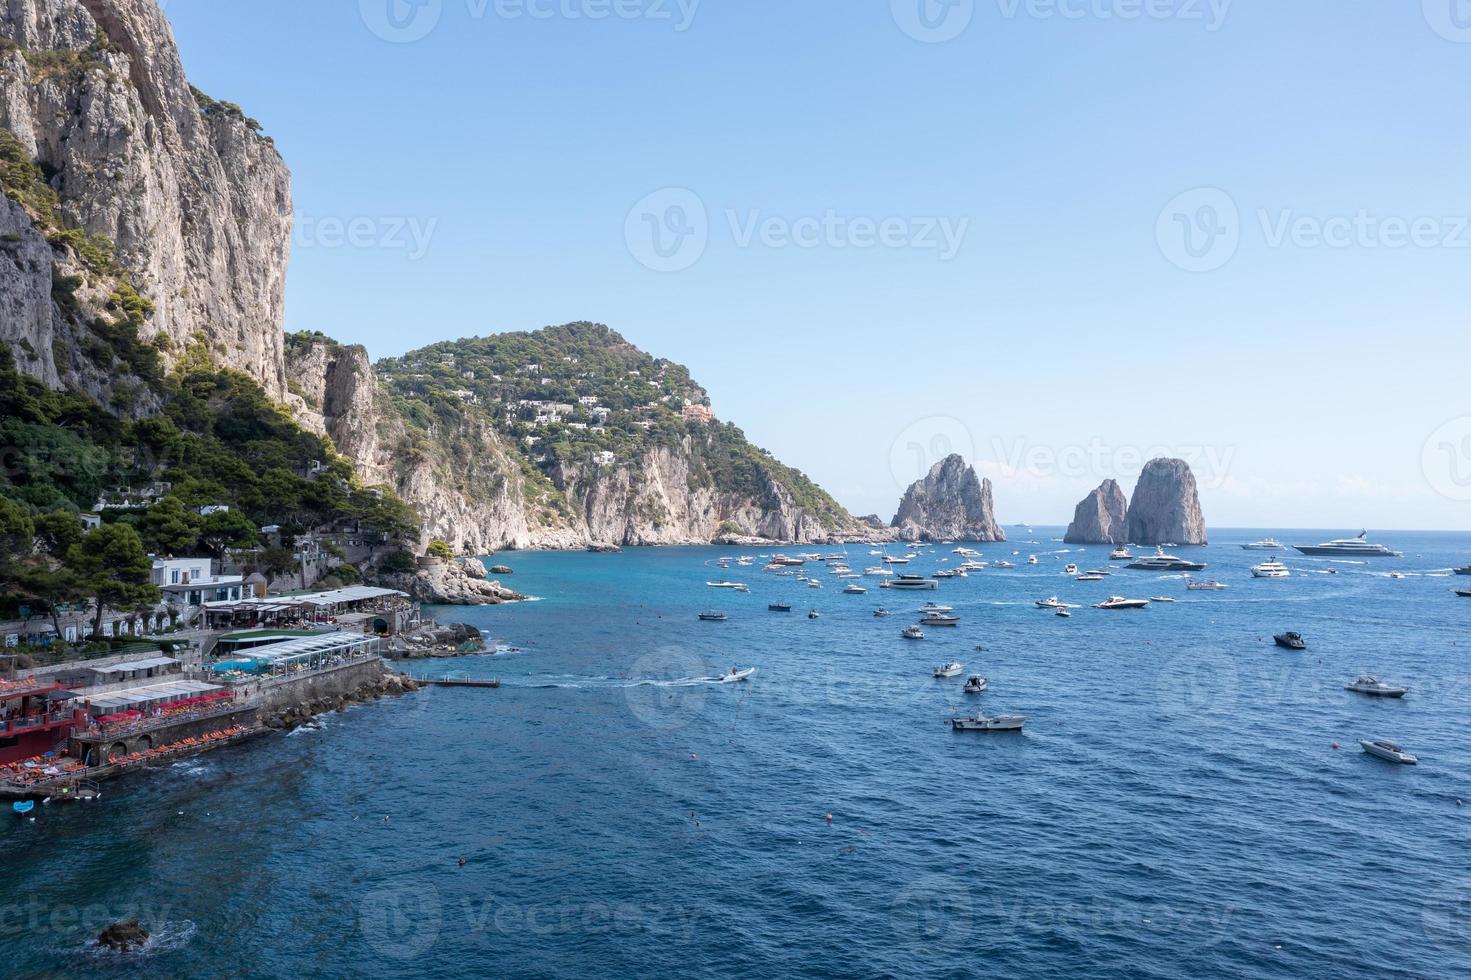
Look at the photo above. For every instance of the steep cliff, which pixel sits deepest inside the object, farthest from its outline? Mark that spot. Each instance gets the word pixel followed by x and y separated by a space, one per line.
pixel 950 503
pixel 148 180
pixel 1101 518
pixel 1166 506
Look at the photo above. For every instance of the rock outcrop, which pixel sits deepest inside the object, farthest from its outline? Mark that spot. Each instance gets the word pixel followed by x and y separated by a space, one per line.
pixel 194 201
pixel 1165 508
pixel 951 504
pixel 449 583
pixel 126 936
pixel 389 684
pixel 1101 518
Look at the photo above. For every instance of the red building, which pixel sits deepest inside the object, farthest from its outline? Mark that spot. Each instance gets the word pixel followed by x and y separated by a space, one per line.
pixel 34 719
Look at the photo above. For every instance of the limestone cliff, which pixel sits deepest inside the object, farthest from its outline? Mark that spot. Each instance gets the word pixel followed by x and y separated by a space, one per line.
pixel 149 179
pixel 1166 506
pixel 1101 518
pixel 951 503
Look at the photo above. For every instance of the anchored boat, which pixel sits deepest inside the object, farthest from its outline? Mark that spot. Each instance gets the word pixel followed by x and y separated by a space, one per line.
pixel 983 723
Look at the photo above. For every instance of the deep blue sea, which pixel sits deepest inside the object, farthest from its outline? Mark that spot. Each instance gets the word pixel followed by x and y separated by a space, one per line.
pixel 1175 807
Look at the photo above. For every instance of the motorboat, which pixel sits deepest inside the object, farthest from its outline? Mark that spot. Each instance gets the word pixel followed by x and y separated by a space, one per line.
pixel 779 607
pixel 1398 575
pixel 1291 640
pixel 891 560
pixel 1375 688
pixel 22 807
pixel 878 572
pixel 737 675
pixel 881 614
pixel 952 669
pixel 713 617
pixel 983 723
pixel 1463 570
pixel 1358 547
pixel 1098 571
pixel 814 614
pixel 915 583
pixel 1161 562
pixel 813 583
pixel 935 607
pixel 736 586
pixel 1121 553
pixel 854 589
pixel 1003 563
pixel 784 561
pixel 976 685
pixel 1210 585
pixel 1031 559
pixel 1388 751
pixel 1052 603
pixel 953 573
pixel 1266 544
pixel 1090 577
pixel 1270 569
pixel 940 619
pixel 1064 614
pixel 967 552
pixel 1119 602
pixel 1070 569
pixel 1160 598
pixel 1464 593
pixel 913 633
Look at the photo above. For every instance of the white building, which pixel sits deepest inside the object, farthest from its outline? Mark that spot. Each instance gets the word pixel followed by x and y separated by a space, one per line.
pixel 192 582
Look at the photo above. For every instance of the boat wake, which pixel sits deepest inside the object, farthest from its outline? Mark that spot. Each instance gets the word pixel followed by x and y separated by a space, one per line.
pixel 572 683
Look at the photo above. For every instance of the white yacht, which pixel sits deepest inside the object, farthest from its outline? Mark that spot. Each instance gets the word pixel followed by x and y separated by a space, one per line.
pixel 1053 603
pixel 1121 553
pixel 914 583
pixel 737 675
pixel 1210 585
pixel 1357 547
pixel 935 607
pixel 854 589
pixel 737 586
pixel 939 619
pixel 913 633
pixel 952 669
pixel 982 723
pixel 1090 577
pixel 1031 559
pixel 1161 562
pixel 1119 602
pixel 1070 569
pixel 1161 598
pixel 1375 688
pixel 1003 563
pixel 1266 544
pixel 1270 569
pixel 1389 751
pixel 878 572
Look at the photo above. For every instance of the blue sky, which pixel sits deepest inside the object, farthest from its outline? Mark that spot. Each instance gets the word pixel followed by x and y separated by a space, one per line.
pixel 1056 235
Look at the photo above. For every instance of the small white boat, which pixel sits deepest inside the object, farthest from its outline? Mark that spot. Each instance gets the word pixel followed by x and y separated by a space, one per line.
pixel 1160 598
pixel 952 669
pixel 713 617
pixel 1121 553
pixel 1064 614
pixel 982 723
pixel 1070 569
pixel 1388 751
pixel 935 607
pixel 881 614
pixel 814 614
pixel 1270 569
pixel 977 685
pixel 813 583
pixel 912 583
pixel 1053 603
pixel 1003 563
pixel 878 572
pixel 940 619
pixel 727 585
pixel 1266 544
pixel 855 590
pixel 1375 688
pixel 1119 602
pixel 1031 559
pixel 1090 577
pixel 1210 586
pixel 913 633
pixel 737 675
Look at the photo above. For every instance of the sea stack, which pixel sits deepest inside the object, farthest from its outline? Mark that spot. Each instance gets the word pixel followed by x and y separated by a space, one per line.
pixel 950 504
pixel 1101 518
pixel 1166 506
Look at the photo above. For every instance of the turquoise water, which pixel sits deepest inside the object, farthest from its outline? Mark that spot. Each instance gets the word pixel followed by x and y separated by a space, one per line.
pixel 1175 806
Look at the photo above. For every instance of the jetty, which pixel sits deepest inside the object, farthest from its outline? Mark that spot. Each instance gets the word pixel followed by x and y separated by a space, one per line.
pixel 453 680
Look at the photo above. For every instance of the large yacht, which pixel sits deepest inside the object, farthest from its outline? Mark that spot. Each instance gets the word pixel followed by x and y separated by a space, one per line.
pixel 1355 547
pixel 1270 569
pixel 1161 562
pixel 1121 553
pixel 916 583
pixel 1266 544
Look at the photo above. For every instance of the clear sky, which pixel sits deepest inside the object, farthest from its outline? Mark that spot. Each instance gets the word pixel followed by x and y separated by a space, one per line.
pixel 1056 235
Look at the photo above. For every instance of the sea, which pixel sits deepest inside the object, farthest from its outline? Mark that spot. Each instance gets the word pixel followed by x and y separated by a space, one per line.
pixel 1186 799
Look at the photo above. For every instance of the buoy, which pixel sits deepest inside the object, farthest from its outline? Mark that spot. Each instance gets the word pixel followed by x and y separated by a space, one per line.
pixel 693 756
pixel 1335 745
pixel 829 818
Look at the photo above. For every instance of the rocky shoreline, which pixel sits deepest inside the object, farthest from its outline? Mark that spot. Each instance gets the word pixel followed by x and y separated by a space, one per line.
pixel 391 684
pixel 439 643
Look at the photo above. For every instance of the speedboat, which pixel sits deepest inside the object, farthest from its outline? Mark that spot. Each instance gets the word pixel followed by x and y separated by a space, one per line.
pixel 953 573
pixel 916 583
pixel 1064 614
pixel 1270 569
pixel 940 619
pixel 813 583
pixel 1098 571
pixel 1052 603
pixel 1119 602
pixel 880 614
pixel 1160 598
pixel 1357 547
pixel 952 669
pixel 1291 640
pixel 855 589
pixel 1375 688
pixel 1031 559
pixel 1397 575
pixel 878 572
pixel 1266 544
pixel 727 585
pixel 1161 562
pixel 1463 570
pixel 779 607
pixel 913 633
pixel 1090 577
pixel 890 560
pixel 1208 586
pixel 1070 569
pixel 737 675
pixel 814 614
pixel 995 723
pixel 935 607
pixel 1003 563
pixel 1464 593
pixel 977 685
pixel 1388 751
pixel 713 617
pixel 1121 553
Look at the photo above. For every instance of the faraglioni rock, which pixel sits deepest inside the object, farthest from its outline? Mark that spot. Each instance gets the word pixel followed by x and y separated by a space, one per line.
pixel 1166 506
pixel 951 503
pixel 1101 518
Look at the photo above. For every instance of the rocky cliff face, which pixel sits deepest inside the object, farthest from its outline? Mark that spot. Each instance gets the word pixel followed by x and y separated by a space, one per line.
pixel 1101 518
pixel 950 503
pixel 195 202
pixel 1166 506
